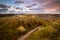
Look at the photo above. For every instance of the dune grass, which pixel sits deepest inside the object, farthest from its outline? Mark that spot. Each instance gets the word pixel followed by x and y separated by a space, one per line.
pixel 15 26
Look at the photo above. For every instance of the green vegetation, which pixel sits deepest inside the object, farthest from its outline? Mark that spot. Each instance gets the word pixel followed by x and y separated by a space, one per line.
pixel 15 26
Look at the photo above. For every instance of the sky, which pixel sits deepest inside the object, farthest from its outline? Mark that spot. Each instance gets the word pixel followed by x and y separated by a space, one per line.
pixel 30 6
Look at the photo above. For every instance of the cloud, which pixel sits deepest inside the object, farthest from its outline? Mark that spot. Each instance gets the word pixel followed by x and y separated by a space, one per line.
pixel 4 6
pixel 35 9
pixel 46 6
pixel 3 10
pixel 31 5
pixel 53 4
pixel 57 11
pixel 9 9
pixel 26 3
pixel 19 1
pixel 17 8
pixel 49 5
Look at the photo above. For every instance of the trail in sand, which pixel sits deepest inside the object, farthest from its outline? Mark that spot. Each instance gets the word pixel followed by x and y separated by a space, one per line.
pixel 27 34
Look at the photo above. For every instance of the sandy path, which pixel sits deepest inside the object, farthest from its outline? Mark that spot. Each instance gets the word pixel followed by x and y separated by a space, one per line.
pixel 27 34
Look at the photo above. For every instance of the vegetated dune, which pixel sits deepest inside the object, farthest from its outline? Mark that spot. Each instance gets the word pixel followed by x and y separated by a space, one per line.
pixel 13 27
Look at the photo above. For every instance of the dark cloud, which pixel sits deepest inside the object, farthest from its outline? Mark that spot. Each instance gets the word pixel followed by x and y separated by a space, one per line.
pixel 4 6
pixel 19 1
pixel 3 10
pixel 19 8
pixel 31 5
pixel 35 9
pixel 41 1
pixel 9 9
pixel 34 4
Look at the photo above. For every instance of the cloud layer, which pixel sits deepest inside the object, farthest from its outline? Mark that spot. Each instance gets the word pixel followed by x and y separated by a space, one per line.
pixel 44 6
pixel 39 6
